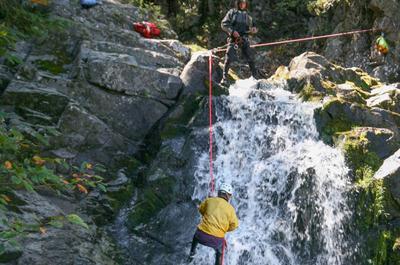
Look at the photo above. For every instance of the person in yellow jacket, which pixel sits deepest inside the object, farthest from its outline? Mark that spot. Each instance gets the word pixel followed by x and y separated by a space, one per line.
pixel 218 218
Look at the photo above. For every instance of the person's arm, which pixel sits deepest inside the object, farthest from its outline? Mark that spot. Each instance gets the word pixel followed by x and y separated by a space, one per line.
pixel 226 23
pixel 202 207
pixel 252 25
pixel 233 223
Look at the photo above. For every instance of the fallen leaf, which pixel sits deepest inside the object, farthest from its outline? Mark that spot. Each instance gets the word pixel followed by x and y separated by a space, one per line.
pixel 42 230
pixel 8 165
pixel 82 189
pixel 89 166
pixel 6 198
pixel 38 160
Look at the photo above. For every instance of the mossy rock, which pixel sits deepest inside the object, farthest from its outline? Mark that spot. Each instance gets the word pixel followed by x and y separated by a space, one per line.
pixel 9 251
pixel 355 144
pixel 152 200
pixel 217 90
pixel 281 74
pixel 177 122
pixel 53 67
pixel 380 141
pixel 309 93
pixel 331 119
pixel 120 197
pixel 380 247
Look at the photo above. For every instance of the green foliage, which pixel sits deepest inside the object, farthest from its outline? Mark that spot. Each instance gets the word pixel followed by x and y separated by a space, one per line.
pixel 85 177
pixel 308 93
pixel 151 201
pixel 51 66
pixel 19 21
pixel 21 167
pixel 7 39
pixel 178 125
pixel 358 155
pixel 75 219
pixel 319 7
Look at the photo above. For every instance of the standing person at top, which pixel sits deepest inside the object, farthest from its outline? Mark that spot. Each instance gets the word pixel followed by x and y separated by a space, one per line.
pixel 238 24
pixel 218 217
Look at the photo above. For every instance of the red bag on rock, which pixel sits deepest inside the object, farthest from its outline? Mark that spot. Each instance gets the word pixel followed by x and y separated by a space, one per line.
pixel 147 29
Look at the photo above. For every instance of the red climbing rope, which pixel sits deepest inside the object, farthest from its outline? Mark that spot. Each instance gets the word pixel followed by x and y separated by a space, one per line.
pixel 210 120
pixel 223 252
pixel 210 60
pixel 305 39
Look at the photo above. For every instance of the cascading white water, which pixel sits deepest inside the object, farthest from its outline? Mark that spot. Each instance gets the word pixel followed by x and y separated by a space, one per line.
pixel 290 188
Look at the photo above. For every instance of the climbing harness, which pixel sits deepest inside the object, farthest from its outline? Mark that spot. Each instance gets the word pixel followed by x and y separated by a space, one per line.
pixel 210 62
pixel 238 42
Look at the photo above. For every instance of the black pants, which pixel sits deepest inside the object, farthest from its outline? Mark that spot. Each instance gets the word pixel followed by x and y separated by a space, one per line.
pixel 218 252
pixel 231 55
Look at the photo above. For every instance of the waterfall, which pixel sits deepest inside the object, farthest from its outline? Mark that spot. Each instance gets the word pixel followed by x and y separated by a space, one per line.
pixel 290 188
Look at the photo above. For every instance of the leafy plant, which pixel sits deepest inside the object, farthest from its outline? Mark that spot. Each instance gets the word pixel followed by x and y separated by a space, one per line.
pixel 22 167
pixel 19 21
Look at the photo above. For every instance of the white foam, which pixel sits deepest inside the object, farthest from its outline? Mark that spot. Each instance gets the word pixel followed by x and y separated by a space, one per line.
pixel 270 152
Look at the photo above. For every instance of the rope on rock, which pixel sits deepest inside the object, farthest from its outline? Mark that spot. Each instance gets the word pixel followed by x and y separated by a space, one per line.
pixel 210 61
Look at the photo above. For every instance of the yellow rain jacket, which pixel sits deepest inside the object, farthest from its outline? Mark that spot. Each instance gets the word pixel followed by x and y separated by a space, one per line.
pixel 219 217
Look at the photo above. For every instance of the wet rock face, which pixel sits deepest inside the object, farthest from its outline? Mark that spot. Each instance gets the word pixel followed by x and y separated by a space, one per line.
pixel 65 244
pixel 99 82
pixel 164 216
pixel 359 51
pixel 351 98
pixel 104 88
pixel 360 115
pixel 195 74
pixel 390 172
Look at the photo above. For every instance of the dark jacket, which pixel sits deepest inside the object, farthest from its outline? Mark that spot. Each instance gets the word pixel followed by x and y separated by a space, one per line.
pixel 237 20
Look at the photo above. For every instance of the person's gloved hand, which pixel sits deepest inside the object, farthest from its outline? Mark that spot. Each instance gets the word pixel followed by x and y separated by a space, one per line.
pixel 254 30
pixel 236 34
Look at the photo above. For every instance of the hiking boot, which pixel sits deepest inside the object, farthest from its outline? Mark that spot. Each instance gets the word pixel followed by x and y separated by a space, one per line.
pixel 224 82
pixel 190 259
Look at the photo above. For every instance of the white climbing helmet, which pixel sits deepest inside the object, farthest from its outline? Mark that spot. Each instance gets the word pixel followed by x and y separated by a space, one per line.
pixel 225 187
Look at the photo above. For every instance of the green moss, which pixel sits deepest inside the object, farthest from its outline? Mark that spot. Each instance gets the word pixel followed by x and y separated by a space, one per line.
pixel 51 66
pixel 119 198
pixel 364 94
pixel 55 66
pixel 217 90
pixel 308 93
pixel 151 201
pixel 195 47
pixel 359 157
pixel 381 248
pixel 384 252
pixel 281 73
pixel 176 126
pixel 334 126
pixel 329 86
pixel 373 202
